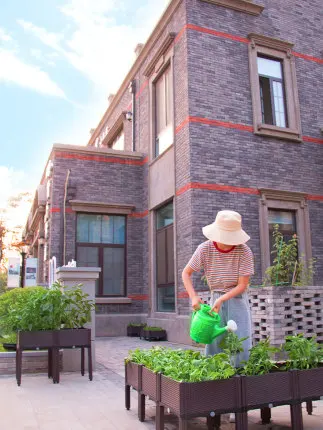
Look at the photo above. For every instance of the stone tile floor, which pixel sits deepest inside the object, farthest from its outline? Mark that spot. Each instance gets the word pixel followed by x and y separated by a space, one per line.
pixel 78 404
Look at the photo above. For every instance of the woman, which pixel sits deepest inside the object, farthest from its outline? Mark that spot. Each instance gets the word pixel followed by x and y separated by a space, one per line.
pixel 228 264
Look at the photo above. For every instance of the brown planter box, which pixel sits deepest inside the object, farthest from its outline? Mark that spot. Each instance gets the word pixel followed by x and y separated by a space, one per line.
pixel 70 338
pixel 196 399
pixel 153 334
pixel 36 339
pixel 310 384
pixel 134 331
pixel 149 383
pixel 133 375
pixel 275 388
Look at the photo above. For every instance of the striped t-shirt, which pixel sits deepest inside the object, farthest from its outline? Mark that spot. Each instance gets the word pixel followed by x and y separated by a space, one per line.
pixel 222 268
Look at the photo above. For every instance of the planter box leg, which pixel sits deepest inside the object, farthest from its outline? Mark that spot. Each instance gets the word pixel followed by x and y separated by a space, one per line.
pixel 127 397
pixel 50 363
pixel 89 352
pixel 18 366
pixel 82 361
pixel 183 424
pixel 265 415
pixel 309 407
pixel 141 407
pixel 160 421
pixel 296 416
pixel 213 422
pixel 242 421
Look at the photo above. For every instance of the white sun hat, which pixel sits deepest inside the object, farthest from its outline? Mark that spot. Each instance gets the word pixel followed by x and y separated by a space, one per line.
pixel 226 229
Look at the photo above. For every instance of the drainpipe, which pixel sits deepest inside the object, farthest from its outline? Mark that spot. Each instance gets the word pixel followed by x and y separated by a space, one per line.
pixel 64 216
pixel 132 90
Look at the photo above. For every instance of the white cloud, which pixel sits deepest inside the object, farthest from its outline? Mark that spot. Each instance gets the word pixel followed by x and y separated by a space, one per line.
pixel 4 36
pixel 14 70
pixel 100 46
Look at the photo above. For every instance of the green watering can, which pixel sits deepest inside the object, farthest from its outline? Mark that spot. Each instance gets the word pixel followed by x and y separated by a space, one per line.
pixel 206 325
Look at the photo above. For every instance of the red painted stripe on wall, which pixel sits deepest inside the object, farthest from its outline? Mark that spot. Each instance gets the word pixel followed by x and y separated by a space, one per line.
pixel 142 88
pixel 312 139
pixel 57 210
pixel 231 125
pixel 314 197
pixel 138 214
pixel 216 187
pixel 308 57
pixel 138 296
pixel 237 39
pixel 101 159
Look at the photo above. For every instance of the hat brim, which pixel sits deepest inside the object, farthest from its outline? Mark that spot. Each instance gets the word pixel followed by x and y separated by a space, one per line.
pixel 214 233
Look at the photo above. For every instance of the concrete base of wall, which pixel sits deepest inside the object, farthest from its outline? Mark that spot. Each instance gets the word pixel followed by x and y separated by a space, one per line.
pixel 32 362
pixel 116 324
pixel 177 328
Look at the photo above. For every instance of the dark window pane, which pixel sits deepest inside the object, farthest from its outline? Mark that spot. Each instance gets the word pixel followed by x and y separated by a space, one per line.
pixel 94 228
pixel 119 229
pixel 166 299
pixel 107 229
pixel 88 256
pixel 161 258
pixel 82 228
pixel 170 254
pixel 165 216
pixel 113 272
pixel 265 95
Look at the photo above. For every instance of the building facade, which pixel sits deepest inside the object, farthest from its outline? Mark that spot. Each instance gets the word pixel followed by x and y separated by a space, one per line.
pixel 221 110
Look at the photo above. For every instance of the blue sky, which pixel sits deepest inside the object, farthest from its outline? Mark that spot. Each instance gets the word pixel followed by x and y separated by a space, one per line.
pixel 59 61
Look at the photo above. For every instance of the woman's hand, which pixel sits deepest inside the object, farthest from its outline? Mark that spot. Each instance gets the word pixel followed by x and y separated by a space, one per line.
pixel 217 306
pixel 196 303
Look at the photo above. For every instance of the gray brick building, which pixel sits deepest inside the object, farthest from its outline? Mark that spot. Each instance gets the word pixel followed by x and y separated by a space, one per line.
pixel 221 110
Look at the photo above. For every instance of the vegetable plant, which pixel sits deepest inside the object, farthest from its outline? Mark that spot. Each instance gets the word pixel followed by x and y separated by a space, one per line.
pixel 184 365
pixel 260 361
pixel 151 328
pixel 131 324
pixel 232 345
pixel 302 353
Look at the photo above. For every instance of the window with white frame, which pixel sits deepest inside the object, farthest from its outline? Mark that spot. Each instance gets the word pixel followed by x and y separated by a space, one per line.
pixel 163 112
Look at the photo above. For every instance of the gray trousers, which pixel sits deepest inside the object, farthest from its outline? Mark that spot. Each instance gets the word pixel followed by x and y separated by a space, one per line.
pixel 236 309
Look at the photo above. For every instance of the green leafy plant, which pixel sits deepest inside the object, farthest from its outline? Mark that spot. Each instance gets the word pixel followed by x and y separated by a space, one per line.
pixel 302 353
pixel 184 365
pixel 232 345
pixel 75 306
pixel 151 328
pixel 288 269
pixel 131 324
pixel 260 360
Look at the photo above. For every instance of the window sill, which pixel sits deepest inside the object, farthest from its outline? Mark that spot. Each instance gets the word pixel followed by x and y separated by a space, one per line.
pixel 161 155
pixel 278 132
pixel 113 301
pixel 245 6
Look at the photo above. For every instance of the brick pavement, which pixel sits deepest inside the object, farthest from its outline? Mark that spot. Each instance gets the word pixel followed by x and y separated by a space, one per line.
pixel 78 404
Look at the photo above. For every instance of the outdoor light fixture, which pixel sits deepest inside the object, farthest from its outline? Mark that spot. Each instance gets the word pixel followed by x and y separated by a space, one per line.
pixel 129 116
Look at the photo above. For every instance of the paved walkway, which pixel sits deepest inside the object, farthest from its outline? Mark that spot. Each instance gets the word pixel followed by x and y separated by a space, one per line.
pixel 78 404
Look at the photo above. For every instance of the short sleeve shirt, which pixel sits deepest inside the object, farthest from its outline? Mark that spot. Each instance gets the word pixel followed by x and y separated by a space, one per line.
pixel 222 268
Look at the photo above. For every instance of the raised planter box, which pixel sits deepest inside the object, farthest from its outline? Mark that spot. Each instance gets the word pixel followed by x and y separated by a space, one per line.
pixel 134 331
pixel 153 335
pixel 74 338
pixel 310 384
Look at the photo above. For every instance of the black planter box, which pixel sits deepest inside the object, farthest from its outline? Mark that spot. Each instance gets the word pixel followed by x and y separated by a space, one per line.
pixel 310 384
pixel 10 346
pixel 153 334
pixel 73 338
pixel 42 339
pixel 134 331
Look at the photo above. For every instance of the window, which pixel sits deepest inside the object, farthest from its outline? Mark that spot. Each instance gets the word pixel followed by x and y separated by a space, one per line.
pixel 118 141
pixel 271 91
pixel 163 112
pixel 165 259
pixel 101 243
pixel 274 88
pixel 286 221
pixel 290 211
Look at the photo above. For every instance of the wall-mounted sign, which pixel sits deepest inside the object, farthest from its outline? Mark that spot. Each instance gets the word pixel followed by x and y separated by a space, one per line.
pixel 13 272
pixel 31 272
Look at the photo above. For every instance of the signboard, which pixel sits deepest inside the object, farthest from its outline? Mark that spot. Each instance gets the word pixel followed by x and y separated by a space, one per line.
pixel 31 272
pixel 13 272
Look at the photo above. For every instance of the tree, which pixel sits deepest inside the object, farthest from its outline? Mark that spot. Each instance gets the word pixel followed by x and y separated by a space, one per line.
pixel 3 231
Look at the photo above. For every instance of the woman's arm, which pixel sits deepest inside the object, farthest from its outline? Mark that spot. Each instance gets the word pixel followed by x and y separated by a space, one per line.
pixel 188 284
pixel 243 283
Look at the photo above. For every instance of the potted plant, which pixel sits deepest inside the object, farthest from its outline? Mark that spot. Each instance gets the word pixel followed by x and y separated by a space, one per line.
pixel 134 329
pixel 153 333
